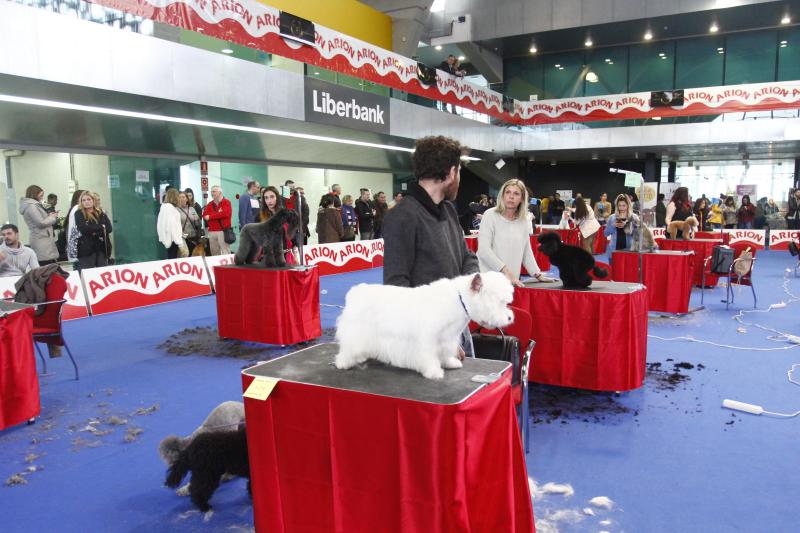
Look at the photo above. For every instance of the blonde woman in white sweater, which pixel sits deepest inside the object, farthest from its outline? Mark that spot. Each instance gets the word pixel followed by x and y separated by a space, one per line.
pixel 504 243
pixel 169 227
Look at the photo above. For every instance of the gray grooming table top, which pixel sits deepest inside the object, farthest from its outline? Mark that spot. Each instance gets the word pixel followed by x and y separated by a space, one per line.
pixel 7 307
pixel 599 287
pixel 314 366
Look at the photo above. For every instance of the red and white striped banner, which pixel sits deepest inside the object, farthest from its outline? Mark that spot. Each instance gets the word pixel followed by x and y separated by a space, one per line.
pixel 75 305
pixel 780 239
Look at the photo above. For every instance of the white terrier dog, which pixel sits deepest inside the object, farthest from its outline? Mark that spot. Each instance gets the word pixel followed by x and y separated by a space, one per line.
pixel 419 328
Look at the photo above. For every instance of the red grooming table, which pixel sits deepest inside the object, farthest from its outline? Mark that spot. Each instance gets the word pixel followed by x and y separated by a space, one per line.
pixel 19 384
pixel 600 242
pixel 594 339
pixel 273 306
pixel 472 242
pixel 382 449
pixel 666 274
pixel 702 249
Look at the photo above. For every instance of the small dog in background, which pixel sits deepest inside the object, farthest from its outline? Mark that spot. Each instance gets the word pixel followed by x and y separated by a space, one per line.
pixel 687 228
pixel 210 456
pixel 227 416
pixel 573 262
pixel 419 328
pixel 267 236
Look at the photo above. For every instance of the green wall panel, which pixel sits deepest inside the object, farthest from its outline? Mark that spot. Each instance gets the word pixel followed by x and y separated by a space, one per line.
pixel 750 57
pixel 699 62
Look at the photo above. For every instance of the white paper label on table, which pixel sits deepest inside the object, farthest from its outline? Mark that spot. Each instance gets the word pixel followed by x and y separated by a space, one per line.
pixel 260 388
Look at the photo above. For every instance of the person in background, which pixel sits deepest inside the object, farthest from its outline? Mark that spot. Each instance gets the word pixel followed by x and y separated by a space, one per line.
pixel 701 213
pixel 746 213
pixel 661 211
pixel 586 223
pixel 366 216
pixel 545 209
pixel 169 227
pixel 381 207
pixel 679 207
pixel 71 230
pixel 398 196
pixel 305 214
pixel 477 208
pixel 336 191
pixel 458 70
pixel 191 202
pixel 190 223
pixel 715 216
pixel 504 243
pixel 40 224
pixel 248 204
pixel 602 209
pixel 105 220
pixel 271 202
pixel 15 259
pixel 729 212
pixel 94 230
pixel 622 226
pixel 218 215
pixel 556 209
pixel 793 210
pixel 771 208
pixel 52 202
pixel 449 66
pixel 349 219
pixel 329 223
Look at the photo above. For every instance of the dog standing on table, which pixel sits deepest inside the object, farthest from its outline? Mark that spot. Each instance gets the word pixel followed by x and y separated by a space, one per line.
pixel 573 262
pixel 419 328
pixel 267 236
pixel 687 228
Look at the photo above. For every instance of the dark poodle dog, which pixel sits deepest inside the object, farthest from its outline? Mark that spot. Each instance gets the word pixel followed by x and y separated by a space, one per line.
pixel 573 262
pixel 208 457
pixel 267 236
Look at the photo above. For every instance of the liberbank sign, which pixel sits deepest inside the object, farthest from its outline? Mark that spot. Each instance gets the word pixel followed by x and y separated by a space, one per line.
pixel 326 103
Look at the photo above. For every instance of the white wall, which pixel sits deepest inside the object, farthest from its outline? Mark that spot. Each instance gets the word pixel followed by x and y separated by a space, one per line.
pixel 7 204
pixel 317 182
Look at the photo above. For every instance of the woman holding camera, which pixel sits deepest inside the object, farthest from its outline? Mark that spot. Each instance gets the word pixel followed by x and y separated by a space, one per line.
pixel 622 226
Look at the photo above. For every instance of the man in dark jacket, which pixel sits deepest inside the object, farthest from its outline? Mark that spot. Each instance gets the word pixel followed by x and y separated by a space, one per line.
pixel 556 209
pixel 661 212
pixel 366 215
pixel 423 241
pixel 304 212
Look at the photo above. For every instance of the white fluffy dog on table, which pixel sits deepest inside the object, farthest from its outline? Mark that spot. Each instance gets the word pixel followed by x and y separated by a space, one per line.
pixel 419 328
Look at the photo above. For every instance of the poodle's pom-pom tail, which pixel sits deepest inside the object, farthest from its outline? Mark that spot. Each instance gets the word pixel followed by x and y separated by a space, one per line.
pixel 599 272
pixel 170 448
pixel 177 471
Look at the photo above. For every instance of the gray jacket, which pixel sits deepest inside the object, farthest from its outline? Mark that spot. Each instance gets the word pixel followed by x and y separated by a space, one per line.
pixel 424 242
pixel 40 224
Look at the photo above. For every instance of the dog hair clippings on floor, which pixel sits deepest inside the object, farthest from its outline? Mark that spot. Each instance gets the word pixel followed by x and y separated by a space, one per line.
pixel 757 409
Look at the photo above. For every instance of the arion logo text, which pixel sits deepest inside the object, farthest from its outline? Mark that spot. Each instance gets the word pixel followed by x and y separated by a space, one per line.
pixel 325 103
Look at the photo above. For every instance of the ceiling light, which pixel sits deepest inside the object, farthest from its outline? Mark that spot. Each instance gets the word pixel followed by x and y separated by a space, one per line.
pixel 195 122
pixel 438 47
pixel 588 42
pixel 316 73
pixel 663 57
pixel 648 35
pixel 786 19
pixel 720 49
pixel 461 58
pixel 591 77
pixel 227 51
pixel 533 49
pixel 784 45
pixel 553 163
pixel 558 65
pixel 661 54
pixel 560 68
pixel 714 28
pixel 608 60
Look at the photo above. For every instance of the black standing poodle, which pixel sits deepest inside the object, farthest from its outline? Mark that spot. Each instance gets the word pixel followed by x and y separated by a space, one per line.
pixel 208 457
pixel 267 236
pixel 573 262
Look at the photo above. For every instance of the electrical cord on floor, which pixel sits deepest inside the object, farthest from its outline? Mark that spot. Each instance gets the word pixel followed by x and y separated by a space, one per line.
pixel 757 409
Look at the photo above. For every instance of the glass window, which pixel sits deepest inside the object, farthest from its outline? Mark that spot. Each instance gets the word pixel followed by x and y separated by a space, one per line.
pixel 789 54
pixel 610 66
pixel 523 77
pixel 563 75
pixel 750 57
pixel 699 62
pixel 651 67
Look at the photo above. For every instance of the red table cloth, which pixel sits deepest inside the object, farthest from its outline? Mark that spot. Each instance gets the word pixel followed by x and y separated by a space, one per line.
pixel 702 249
pixel 600 242
pixel 568 236
pixel 666 274
pixel 269 306
pixel 542 260
pixel 332 460
pixel 19 384
pixel 595 339
pixel 472 242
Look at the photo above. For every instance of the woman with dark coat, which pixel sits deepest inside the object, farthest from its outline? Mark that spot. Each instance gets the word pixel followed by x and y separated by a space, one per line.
pixel 701 211
pixel 94 227
pixel 679 208
pixel 329 223
pixel 746 213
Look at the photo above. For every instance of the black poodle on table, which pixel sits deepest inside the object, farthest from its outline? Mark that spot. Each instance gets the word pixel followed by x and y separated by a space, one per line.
pixel 573 262
pixel 268 236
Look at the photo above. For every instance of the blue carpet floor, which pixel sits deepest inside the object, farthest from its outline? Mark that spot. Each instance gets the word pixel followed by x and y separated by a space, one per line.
pixel 667 456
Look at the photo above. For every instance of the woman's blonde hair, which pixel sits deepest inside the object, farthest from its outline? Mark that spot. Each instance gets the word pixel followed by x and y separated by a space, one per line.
pixel 522 208
pixel 171 197
pixel 347 197
pixel 88 215
pixel 623 198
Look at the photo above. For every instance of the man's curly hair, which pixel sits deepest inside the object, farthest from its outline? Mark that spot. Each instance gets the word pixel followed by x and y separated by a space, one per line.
pixel 435 156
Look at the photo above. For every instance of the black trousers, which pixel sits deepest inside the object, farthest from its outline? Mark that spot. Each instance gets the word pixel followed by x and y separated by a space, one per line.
pixel 172 251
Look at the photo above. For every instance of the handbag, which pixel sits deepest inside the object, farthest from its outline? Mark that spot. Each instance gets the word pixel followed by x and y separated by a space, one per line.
pixel 229 235
pixel 721 259
pixel 743 263
pixel 499 348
